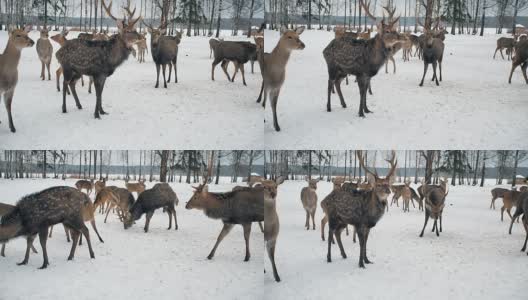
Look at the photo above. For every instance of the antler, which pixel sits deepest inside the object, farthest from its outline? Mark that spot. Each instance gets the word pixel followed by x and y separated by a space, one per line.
pixel 391 13
pixel 108 9
pixel 393 162
pixel 366 7
pixel 362 162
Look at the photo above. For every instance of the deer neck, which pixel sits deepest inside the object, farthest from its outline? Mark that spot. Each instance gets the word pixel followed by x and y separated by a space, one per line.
pixel 11 56
pixel 280 55
pixel 378 51
pixel 119 52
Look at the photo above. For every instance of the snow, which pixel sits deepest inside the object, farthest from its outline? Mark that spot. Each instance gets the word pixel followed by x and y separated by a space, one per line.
pixel 131 264
pixel 217 113
pixel 474 257
pixel 473 105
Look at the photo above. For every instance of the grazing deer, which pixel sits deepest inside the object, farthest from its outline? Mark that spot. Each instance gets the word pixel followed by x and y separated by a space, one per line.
pixel 160 195
pixel 85 185
pixel 18 40
pixel 44 51
pixel 274 67
pixel 434 203
pixel 505 43
pixel 104 198
pixel 433 53
pixel 520 59
pixel 4 210
pixel 497 193
pixel 271 221
pixel 122 199
pixel 509 200
pixel 164 51
pixel 522 209
pixel 239 207
pixel 309 201
pixel 34 213
pixel 98 59
pixel 362 58
pixel 138 187
pixel 363 209
pixel 142 48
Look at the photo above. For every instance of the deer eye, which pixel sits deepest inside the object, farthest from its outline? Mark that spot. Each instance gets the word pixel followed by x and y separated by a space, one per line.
pixel 290 37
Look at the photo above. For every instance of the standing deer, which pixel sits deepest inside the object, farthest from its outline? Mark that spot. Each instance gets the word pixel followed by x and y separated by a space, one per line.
pixel 433 53
pixel 496 193
pixel 363 209
pixel 99 185
pixel 98 59
pixel 4 210
pixel 271 221
pixel 138 187
pixel 434 196
pixel 362 58
pixel 61 40
pixel 44 51
pixel 142 48
pixel 522 209
pixel 85 185
pixel 337 187
pixel 309 201
pixel 274 68
pixel 18 40
pixel 520 59
pixel 505 43
pixel 164 51
pixel 237 52
pixel 509 200
pixel 407 196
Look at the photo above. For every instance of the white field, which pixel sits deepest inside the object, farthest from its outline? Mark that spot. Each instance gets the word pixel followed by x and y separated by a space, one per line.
pixel 131 264
pixel 194 113
pixel 474 257
pixel 473 108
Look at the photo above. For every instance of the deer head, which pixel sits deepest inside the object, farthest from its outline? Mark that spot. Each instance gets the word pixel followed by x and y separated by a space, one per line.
pixel 312 183
pixel 387 32
pixel 380 186
pixel 20 39
pixel 290 38
pixel 127 30
pixel 44 32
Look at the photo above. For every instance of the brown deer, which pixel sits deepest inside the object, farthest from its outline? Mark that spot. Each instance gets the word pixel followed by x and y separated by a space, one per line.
pixel 271 221
pixel 104 198
pixel 258 185
pixel 138 187
pixel 44 51
pixel 362 58
pixel 505 43
pixel 274 67
pixel 309 201
pixel 237 52
pixel 18 40
pixel 520 59
pixel 522 209
pixel 142 48
pixel 85 185
pixel 509 200
pixel 99 185
pixel 496 193
pixel 98 59
pixel 407 196
pixel 434 196
pixel 363 209
pixel 61 40
pixel 364 35
pixel 432 53
pixel 122 200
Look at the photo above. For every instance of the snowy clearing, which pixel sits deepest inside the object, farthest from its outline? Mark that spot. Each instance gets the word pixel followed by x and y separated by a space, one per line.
pixel 473 105
pixel 131 264
pixel 218 113
pixel 474 257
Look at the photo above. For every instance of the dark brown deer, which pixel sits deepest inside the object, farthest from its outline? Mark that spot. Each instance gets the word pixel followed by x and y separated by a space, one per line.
pixel 520 59
pixel 44 51
pixel 212 45
pixel 362 58
pixel 505 43
pixel 522 210
pixel 434 196
pixel 237 52
pixel 18 39
pixel 496 193
pixel 239 207
pixel 363 209
pixel 36 212
pixel 164 51
pixel 98 59
pixel 433 53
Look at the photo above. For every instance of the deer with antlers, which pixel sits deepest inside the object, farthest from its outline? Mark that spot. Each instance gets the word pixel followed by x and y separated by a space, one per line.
pixel 363 209
pixel 362 58
pixel 98 59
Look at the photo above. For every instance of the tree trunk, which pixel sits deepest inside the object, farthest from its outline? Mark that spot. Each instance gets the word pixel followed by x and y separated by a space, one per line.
pixel 164 155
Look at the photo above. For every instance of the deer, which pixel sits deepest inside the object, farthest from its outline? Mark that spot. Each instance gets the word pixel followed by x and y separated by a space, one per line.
pixel 138 187
pixel 520 59
pixel 104 198
pixel 522 209
pixel 345 186
pixel 497 193
pixel 254 180
pixel 142 48
pixel 212 45
pixel 241 207
pixel 432 53
pixel 364 35
pixel 121 199
pixel 363 209
pixel 271 221
pixel 98 59
pixel 18 40
pixel 164 51
pixel 505 43
pixel 407 196
pixel 434 197
pixel 362 58
pixel 34 213
pixel 309 201
pixel 397 190
pixel 274 68
pixel 85 185
pixel 60 39
pixel 237 52
pixel 99 185
pixel 509 200
pixel 44 51
pixel 161 195
pixel 4 210
pixel 239 188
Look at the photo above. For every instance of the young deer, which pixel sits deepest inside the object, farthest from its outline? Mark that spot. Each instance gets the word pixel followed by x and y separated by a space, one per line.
pixel 274 67
pixel 61 40
pixel 18 40
pixel 271 221
pixel 433 53
pixel 44 51
pixel 142 48
pixel 509 200
pixel 407 196
pixel 505 43
pixel 520 59
pixel 434 203
pixel 362 58
pixel 98 59
pixel 309 201
pixel 496 193
pixel 85 185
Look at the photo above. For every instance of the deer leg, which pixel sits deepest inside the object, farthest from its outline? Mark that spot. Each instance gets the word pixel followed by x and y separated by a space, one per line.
pixel 365 258
pixel 330 88
pixel 501 53
pixel 29 242
pixel 524 66
pixel 175 63
pixel 51 231
pixel 425 223
pixel 361 84
pixel 82 80
pixel 224 66
pixel 49 72
pixel 215 62
pixel 95 229
pixel 369 88
pixel 313 219
pixel 440 69
pixel 252 66
pixel 8 101
pixel 492 204
pixel 170 72
pixel 514 65
pixel 261 227
pixel 324 220
pixel 494 54
pixel 223 233
pixel 307 223
pixel 86 233
pixel 338 88
pixel 67 232
pixel 354 234
pixel 75 239
pixel 169 212
pixel 440 217
pixel 274 100
pixel 2 253
pixel 147 221
pixel 158 73
pixel 90 82
pixel 98 92
pixel 525 224
pixel 393 65
pixel 176 220
pixel 243 75
pixel 109 207
pixel 43 237
pixel 425 71
pixel 237 67
pixel 74 93
pixel 58 74
pixel 330 238
pixel 361 237
pixel 270 248
pixel 434 73
pixel 436 225
pixel 43 69
pixel 64 88
pixel 502 213
pixel 261 91
pixel 386 66
pixel 247 232
pixel 164 66
pixel 339 242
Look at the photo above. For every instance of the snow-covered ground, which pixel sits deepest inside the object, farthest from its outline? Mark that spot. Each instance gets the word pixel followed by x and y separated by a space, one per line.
pixel 194 113
pixel 131 264
pixel 474 107
pixel 474 257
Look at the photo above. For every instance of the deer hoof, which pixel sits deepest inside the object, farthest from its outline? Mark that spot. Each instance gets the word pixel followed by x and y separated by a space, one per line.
pixel 13 130
pixel 22 263
pixel 44 266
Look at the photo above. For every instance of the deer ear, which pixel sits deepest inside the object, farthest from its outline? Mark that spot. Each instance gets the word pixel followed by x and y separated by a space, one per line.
pixel 299 30
pixel 283 29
